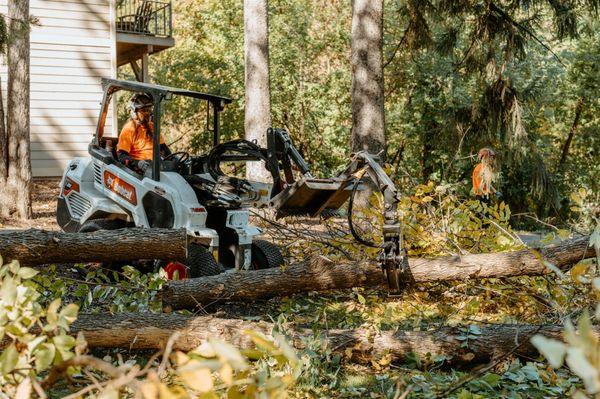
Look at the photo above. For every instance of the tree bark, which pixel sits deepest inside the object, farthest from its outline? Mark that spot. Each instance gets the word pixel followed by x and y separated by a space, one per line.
pixel 258 95
pixel 368 116
pixel 152 331
pixel 322 275
pixel 4 198
pixel 36 247
pixel 572 131
pixel 3 142
pixel 19 161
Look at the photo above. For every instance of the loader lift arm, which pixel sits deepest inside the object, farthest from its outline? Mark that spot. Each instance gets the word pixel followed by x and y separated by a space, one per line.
pixel 281 151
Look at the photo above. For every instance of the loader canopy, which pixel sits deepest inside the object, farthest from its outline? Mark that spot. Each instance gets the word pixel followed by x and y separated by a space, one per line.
pixel 158 93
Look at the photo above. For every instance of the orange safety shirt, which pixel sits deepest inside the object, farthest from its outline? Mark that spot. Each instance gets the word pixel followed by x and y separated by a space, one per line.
pixel 134 140
pixel 479 186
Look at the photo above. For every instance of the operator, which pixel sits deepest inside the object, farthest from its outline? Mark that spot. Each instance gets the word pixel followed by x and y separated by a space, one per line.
pixel 134 148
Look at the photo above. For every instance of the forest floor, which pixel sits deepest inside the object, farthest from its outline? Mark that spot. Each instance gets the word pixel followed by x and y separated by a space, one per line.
pixel 43 202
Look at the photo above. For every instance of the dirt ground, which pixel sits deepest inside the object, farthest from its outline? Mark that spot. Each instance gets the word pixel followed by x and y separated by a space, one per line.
pixel 43 201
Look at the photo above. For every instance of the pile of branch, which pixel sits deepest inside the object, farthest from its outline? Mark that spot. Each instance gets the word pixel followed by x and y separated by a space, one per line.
pixel 152 331
pixel 36 247
pixel 322 275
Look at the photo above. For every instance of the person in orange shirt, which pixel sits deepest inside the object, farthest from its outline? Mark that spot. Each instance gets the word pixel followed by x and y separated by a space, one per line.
pixel 484 174
pixel 135 145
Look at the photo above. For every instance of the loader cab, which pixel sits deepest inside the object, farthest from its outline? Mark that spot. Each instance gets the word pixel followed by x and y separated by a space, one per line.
pixel 104 148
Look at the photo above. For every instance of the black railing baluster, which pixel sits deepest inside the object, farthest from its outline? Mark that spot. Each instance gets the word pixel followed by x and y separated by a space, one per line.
pixel 147 17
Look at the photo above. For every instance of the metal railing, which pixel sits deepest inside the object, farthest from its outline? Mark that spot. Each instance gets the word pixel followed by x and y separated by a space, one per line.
pixel 145 17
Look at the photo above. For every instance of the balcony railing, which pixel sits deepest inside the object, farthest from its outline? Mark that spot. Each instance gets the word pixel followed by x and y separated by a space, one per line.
pixel 145 17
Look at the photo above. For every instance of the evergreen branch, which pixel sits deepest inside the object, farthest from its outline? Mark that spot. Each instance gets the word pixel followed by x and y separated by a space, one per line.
pixel 523 28
pixel 467 53
pixel 396 49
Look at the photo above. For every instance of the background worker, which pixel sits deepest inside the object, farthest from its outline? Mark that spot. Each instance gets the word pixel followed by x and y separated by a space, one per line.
pixel 484 175
pixel 135 146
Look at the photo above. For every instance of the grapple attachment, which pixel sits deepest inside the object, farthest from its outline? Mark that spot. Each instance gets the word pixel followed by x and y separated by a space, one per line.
pixel 314 197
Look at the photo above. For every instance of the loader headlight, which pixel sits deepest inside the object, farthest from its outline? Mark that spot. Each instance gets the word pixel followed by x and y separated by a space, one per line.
pixel 70 185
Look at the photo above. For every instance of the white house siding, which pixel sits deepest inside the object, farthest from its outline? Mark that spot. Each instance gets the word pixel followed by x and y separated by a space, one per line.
pixel 73 47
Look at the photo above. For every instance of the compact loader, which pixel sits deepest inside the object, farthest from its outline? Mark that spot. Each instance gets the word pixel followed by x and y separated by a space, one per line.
pixel 192 192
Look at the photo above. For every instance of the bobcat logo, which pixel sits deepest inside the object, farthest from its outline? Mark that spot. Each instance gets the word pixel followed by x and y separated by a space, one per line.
pixel 120 187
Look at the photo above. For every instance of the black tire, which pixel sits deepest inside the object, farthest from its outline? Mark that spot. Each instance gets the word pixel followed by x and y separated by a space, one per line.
pixel 102 224
pixel 200 262
pixel 265 255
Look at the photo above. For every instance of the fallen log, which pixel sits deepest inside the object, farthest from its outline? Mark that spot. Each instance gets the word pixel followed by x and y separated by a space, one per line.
pixel 35 247
pixel 322 275
pixel 152 331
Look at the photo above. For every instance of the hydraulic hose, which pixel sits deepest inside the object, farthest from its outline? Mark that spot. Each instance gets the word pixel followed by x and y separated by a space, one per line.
pixel 354 233
pixel 240 146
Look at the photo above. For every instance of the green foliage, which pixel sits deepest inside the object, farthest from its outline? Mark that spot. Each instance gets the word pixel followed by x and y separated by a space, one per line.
pixel 436 221
pixel 35 337
pixel 216 369
pixel 97 289
pixel 581 345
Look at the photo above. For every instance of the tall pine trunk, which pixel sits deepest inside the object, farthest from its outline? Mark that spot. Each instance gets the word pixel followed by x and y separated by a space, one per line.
pixel 258 94
pixel 368 118
pixel 19 161
pixel 4 207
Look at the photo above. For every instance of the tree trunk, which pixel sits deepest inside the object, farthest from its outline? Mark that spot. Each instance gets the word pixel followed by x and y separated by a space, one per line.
pixel 323 275
pixel 368 116
pixel 19 162
pixel 258 95
pixel 35 247
pixel 572 131
pixel 152 331
pixel 4 198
